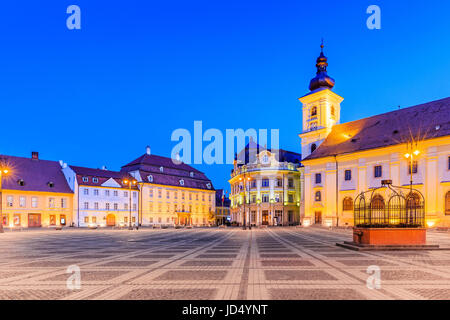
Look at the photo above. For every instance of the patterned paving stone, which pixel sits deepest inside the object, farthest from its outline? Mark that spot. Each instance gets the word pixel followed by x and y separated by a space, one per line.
pixel 182 275
pixel 282 275
pixel 408 275
pixel 33 294
pixel 284 263
pixel 153 256
pixel 279 255
pixel 432 294
pixel 119 263
pixel 217 256
pixel 89 276
pixel 365 262
pixel 207 263
pixel 170 294
pixel 315 294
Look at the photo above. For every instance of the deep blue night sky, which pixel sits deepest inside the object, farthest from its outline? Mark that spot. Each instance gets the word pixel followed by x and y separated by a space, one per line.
pixel 137 70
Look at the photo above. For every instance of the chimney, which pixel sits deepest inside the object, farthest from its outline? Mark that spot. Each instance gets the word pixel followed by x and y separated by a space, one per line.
pixel 35 155
pixel 103 167
pixel 148 150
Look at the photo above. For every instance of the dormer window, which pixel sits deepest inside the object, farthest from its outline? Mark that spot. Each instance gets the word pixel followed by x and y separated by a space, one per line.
pixel 208 185
pixel 95 180
pixel 265 158
pixel 85 179
pixel 50 184
pixel 181 182
pixel 150 178
pixel 161 169
pixel 191 174
pixel 21 182
pixel 313 112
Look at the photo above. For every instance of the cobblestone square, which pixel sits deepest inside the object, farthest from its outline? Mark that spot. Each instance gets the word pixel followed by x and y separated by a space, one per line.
pixel 213 263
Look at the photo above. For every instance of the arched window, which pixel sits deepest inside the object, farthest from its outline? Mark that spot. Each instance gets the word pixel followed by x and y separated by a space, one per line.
pixel 447 204
pixel 347 204
pixel 313 126
pixel 318 196
pixel 314 111
pixel 377 202
pixel 313 147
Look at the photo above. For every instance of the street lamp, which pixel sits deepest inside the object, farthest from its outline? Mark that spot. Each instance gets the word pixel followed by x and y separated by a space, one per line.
pixel 3 171
pixel 130 183
pixel 412 152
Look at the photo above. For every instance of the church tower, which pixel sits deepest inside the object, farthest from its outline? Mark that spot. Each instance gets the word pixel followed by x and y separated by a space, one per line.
pixel 321 108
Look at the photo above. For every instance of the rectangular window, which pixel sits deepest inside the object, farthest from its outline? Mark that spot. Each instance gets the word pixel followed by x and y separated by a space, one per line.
pixel 34 202
pixel 414 167
pixel 196 196
pixel 86 205
pixel 348 175
pixel 167 194
pixel 95 192
pixel 265 197
pixel 125 206
pixel 318 178
pixel 253 184
pixel 107 193
pixel 448 163
pixel 96 205
pixel 107 206
pixel 9 201
pixel 159 194
pixel 265 183
pixel 63 203
pixel 291 198
pixel 175 195
pixel 253 199
pixel 116 206
pixel 94 219
pixel 17 219
pixel 52 220
pixel 150 193
pixel 125 194
pixel 116 193
pixel 51 202
pixel 378 171
pixel 86 191
pixel 22 202
pixel 134 206
pixel 135 194
pixel 291 183
pixel 86 219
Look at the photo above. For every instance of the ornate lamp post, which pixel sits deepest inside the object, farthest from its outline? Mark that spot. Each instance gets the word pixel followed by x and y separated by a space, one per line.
pixel 410 154
pixel 3 171
pixel 130 183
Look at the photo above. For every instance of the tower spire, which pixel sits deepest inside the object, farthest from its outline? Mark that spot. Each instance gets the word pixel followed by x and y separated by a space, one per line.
pixel 321 80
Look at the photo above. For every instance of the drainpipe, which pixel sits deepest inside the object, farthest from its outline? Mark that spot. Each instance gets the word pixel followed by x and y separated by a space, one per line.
pixel 337 190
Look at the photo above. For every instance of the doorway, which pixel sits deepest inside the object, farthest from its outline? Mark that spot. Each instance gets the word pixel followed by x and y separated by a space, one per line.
pixel 318 217
pixel 34 220
pixel 265 218
pixel 110 220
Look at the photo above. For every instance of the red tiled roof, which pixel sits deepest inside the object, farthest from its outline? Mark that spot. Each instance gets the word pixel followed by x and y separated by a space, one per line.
pixel 36 175
pixel 421 122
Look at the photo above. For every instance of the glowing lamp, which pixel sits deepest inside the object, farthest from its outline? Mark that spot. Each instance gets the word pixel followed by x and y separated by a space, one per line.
pixel 430 224
pixel 407 155
pixel 416 152
pixel 125 181
pixel 5 171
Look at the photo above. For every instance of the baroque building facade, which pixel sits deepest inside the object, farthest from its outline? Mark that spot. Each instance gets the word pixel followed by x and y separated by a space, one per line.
pixel 102 197
pixel 172 192
pixel 266 187
pixel 410 147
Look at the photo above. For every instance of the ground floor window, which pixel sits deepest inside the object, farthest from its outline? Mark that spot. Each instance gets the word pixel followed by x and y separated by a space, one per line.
pixel 17 219
pixel 291 216
pixel 5 220
pixel 447 203
pixel 62 220
pixel 86 219
pixel 52 220
pixel 94 219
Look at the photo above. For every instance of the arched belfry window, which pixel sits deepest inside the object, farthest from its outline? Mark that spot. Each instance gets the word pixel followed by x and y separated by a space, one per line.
pixel 314 111
pixel 447 204
pixel 313 147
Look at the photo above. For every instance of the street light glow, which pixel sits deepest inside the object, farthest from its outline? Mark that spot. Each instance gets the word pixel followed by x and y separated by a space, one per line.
pixel 416 152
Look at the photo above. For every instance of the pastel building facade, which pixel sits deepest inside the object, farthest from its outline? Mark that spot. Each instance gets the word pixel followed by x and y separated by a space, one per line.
pixel 342 160
pixel 101 198
pixel 266 187
pixel 172 192
pixel 34 193
pixel 222 207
